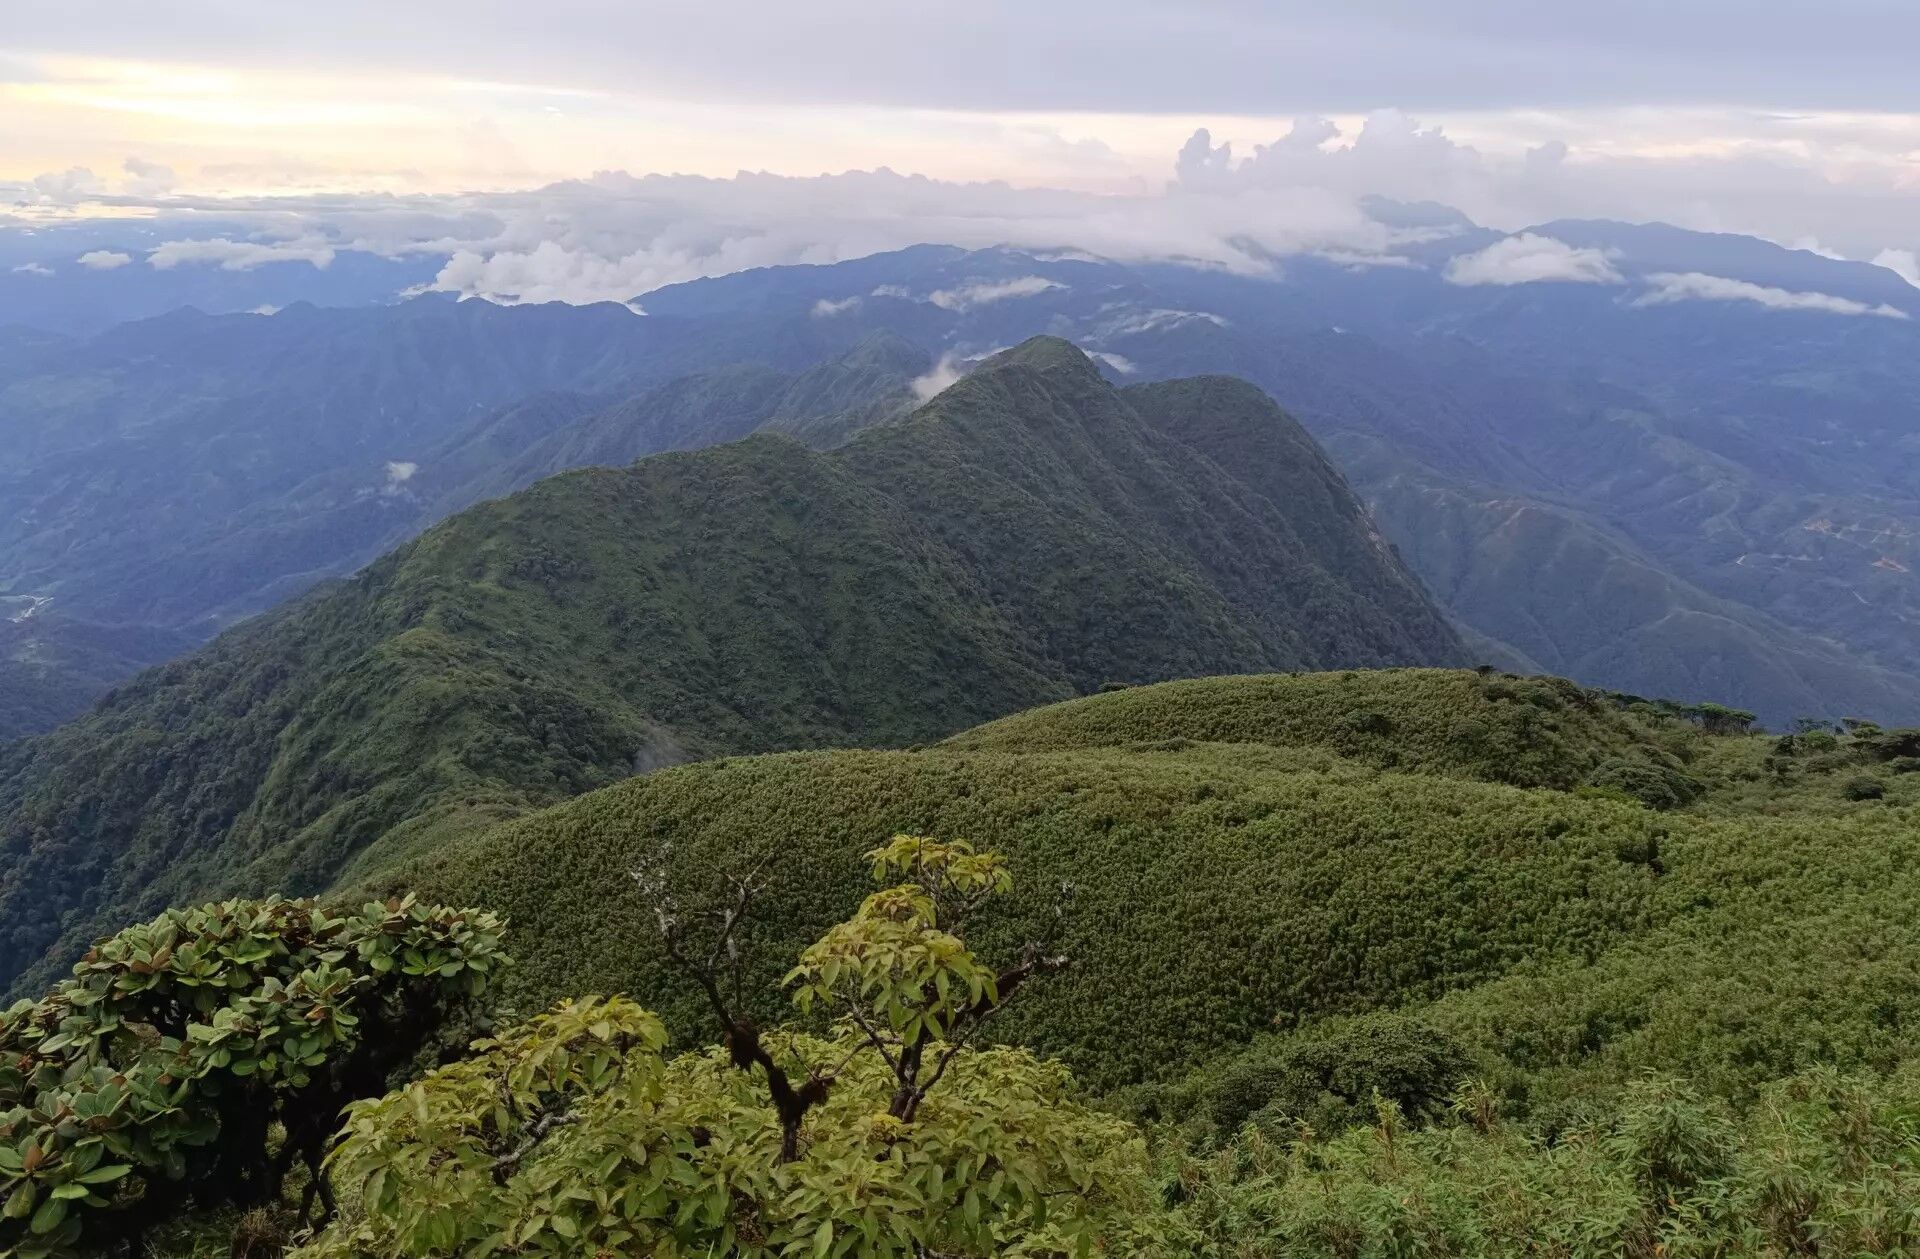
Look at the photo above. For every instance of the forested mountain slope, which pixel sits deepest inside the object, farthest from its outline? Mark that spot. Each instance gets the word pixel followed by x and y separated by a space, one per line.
pixel 1026 535
pixel 296 511
pixel 1753 467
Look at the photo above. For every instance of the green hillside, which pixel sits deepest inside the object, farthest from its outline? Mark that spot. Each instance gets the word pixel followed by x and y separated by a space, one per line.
pixel 1026 536
pixel 1265 932
pixel 1351 989
pixel 1239 880
pixel 1531 732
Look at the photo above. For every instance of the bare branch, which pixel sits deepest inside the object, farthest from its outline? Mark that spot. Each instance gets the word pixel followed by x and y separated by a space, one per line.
pixel 503 1167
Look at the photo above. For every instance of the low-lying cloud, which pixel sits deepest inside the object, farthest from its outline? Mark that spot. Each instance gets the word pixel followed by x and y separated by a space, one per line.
pixel 826 309
pixel 1532 259
pixel 104 259
pixel 942 374
pixel 1669 287
pixel 986 292
pixel 239 255
pixel 399 472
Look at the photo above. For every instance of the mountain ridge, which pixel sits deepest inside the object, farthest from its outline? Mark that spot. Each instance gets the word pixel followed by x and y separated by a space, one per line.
pixel 1024 536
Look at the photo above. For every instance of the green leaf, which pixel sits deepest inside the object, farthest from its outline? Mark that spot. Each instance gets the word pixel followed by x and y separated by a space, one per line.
pixel 48 1217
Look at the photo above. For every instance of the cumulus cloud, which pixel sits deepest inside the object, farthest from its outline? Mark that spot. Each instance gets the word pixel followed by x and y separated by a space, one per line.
pixel 239 255
pixel 892 290
pixel 1532 259
pixel 1670 287
pixel 147 179
pixel 825 309
pixel 103 259
pixel 943 373
pixel 32 268
pixel 76 183
pixel 984 293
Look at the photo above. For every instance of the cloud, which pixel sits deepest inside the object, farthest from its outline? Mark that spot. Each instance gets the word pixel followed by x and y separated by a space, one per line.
pixel 265 310
pixel 943 373
pixel 399 472
pixel 1238 57
pixel 983 293
pixel 1125 366
pixel 66 187
pixel 1669 287
pixel 1532 259
pixel 147 179
pixel 1245 209
pixel 892 290
pixel 32 268
pixel 103 259
pixel 1132 323
pixel 824 309
pixel 615 236
pixel 1902 262
pixel 239 255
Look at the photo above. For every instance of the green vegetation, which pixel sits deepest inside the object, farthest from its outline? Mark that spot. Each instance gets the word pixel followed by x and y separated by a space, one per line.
pixel 1026 536
pixel 1819 1164
pixel 1516 993
pixel 156 1076
pixel 52 668
pixel 1531 732
pixel 1362 986
pixel 889 1135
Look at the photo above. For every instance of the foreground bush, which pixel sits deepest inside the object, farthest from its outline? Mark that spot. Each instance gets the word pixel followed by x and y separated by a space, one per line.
pixel 891 1134
pixel 151 1080
pixel 1821 1164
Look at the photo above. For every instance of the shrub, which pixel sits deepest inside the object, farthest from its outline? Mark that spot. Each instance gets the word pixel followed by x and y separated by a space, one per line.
pixel 889 1135
pixel 1330 1079
pixel 156 1073
pixel 1656 786
pixel 1864 789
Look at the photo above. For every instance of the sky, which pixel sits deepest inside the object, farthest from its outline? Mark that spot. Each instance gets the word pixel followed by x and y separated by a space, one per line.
pixel 517 138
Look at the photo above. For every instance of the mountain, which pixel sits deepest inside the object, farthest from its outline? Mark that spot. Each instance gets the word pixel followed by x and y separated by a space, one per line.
pixel 1746 442
pixel 260 510
pixel 1752 445
pixel 822 405
pixel 1578 599
pixel 53 669
pixel 1028 534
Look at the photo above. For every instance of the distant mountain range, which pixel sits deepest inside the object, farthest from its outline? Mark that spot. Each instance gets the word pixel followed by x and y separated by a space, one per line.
pixel 1030 534
pixel 1657 460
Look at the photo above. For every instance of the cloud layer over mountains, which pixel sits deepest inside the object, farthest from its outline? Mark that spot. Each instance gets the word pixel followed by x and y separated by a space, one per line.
pixel 613 236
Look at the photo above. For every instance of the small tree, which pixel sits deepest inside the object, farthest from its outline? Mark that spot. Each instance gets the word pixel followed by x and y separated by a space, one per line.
pixel 893 1133
pixel 154 1076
